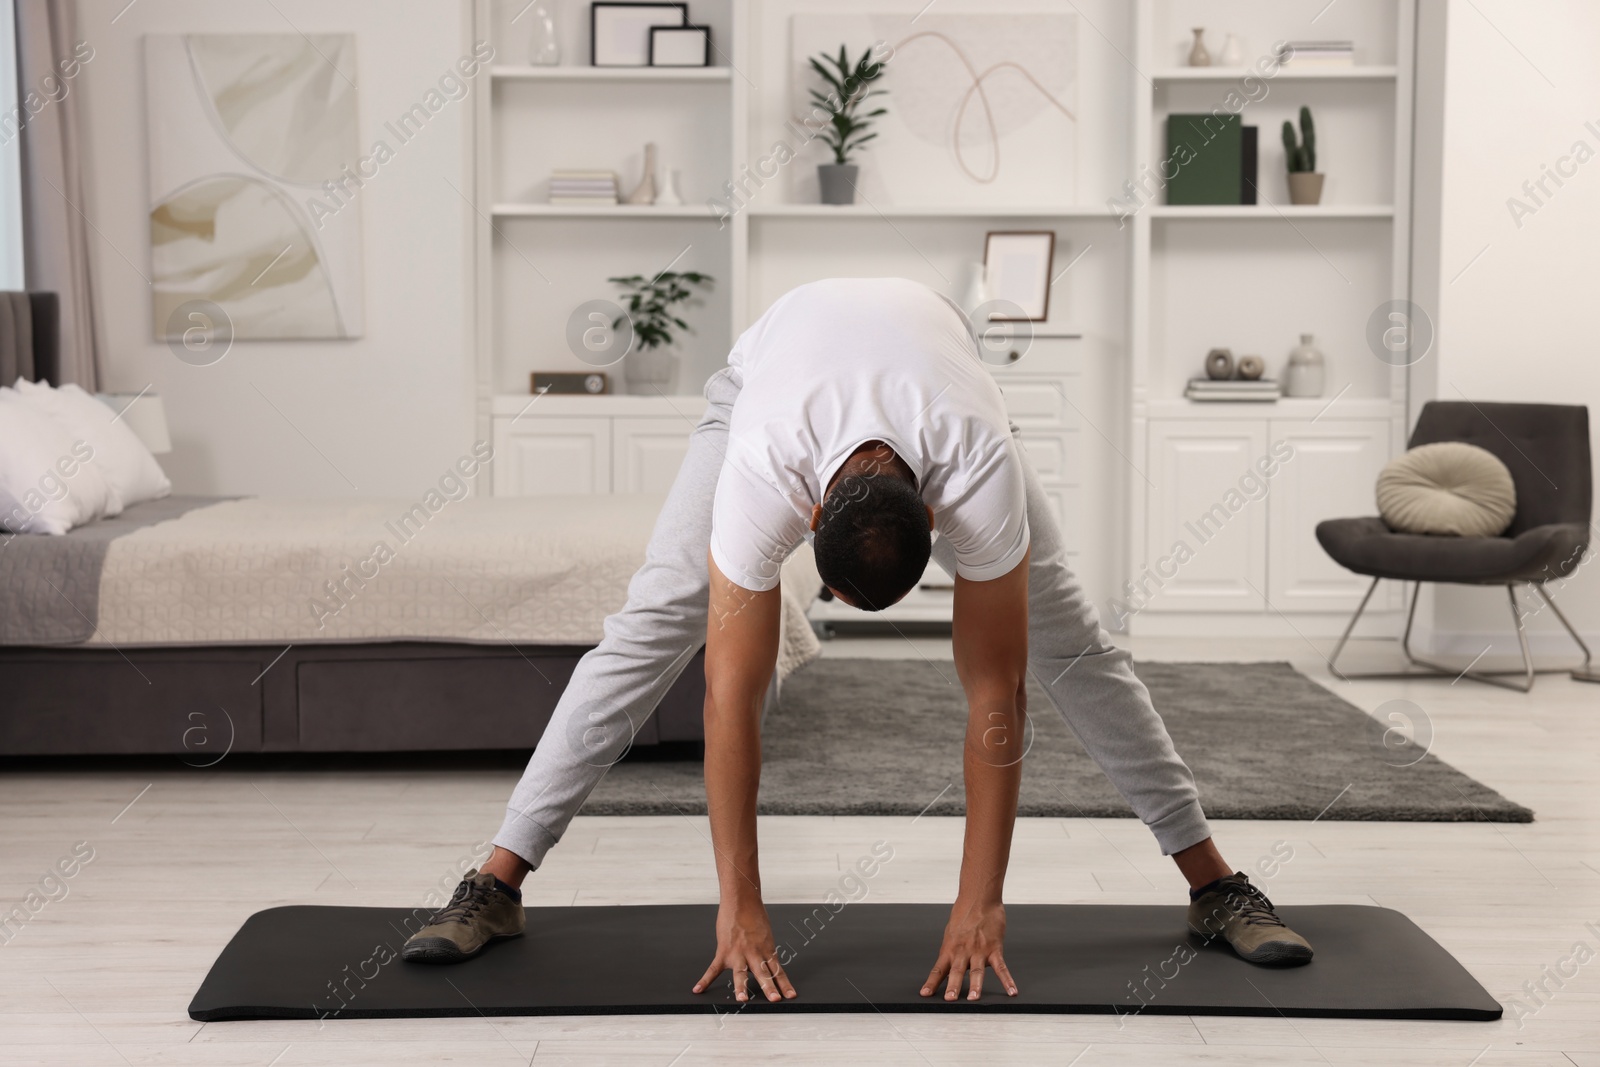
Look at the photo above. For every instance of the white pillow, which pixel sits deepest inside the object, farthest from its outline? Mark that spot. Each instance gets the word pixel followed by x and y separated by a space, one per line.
pixel 122 458
pixel 48 482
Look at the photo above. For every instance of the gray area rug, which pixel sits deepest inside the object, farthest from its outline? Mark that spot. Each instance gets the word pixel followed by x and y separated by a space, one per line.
pixel 884 737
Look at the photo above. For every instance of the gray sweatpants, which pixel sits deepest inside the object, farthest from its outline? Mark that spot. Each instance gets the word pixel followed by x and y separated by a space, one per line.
pixel 647 644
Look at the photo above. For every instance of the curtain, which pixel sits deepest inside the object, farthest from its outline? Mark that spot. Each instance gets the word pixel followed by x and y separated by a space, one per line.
pixel 55 232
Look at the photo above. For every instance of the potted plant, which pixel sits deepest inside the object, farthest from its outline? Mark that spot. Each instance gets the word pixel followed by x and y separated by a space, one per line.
pixel 651 363
pixel 845 128
pixel 1305 184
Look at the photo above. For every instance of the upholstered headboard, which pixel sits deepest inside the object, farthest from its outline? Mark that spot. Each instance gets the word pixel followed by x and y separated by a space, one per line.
pixel 30 337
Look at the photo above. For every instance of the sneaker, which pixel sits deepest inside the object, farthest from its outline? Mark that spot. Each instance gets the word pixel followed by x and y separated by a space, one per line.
pixel 1243 916
pixel 477 914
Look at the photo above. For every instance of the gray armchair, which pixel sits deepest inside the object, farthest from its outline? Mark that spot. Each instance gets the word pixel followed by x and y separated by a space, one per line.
pixel 1546 448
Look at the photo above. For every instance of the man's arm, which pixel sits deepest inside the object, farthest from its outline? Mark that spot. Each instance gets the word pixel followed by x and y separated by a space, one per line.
pixel 990 633
pixel 741 652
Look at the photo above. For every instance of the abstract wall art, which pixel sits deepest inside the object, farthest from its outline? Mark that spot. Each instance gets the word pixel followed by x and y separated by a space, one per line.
pixel 245 131
pixel 982 107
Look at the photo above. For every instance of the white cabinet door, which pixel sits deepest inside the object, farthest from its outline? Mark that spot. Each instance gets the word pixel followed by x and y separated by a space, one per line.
pixel 1206 546
pixel 647 453
pixel 552 456
pixel 1332 474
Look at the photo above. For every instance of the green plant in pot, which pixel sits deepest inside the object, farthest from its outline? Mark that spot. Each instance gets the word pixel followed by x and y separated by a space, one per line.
pixel 650 305
pixel 847 126
pixel 1300 156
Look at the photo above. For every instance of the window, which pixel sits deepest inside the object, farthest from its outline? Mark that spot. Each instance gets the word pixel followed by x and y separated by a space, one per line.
pixel 10 154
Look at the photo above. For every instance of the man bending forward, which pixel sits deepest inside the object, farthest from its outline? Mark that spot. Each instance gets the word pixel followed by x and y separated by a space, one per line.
pixel 856 413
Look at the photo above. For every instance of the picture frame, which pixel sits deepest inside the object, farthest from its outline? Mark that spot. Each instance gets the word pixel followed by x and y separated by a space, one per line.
pixel 680 46
pixel 1016 267
pixel 619 33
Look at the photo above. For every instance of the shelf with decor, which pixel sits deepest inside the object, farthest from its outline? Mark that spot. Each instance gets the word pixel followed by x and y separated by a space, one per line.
pixel 610 74
pixel 932 211
pixel 1375 72
pixel 1272 211
pixel 1257 290
pixel 602 211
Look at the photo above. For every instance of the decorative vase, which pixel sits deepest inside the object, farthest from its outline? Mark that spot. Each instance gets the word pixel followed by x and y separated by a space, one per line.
pixel 546 47
pixel 650 371
pixel 669 194
pixel 1307 370
pixel 1198 56
pixel 1305 187
pixel 1232 54
pixel 1251 368
pixel 1219 364
pixel 838 182
pixel 645 192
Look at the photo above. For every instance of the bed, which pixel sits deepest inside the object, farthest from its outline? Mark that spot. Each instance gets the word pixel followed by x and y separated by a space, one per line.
pixel 194 626
pixel 199 626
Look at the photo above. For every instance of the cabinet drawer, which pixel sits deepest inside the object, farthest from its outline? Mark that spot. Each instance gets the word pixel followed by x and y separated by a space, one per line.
pixel 1037 404
pixel 552 456
pixel 94 700
pixel 646 453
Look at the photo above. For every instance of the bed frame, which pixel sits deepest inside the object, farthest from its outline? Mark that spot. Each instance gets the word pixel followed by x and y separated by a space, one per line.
pixel 200 703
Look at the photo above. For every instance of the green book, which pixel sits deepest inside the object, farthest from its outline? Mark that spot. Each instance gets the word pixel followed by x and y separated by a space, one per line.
pixel 1205 152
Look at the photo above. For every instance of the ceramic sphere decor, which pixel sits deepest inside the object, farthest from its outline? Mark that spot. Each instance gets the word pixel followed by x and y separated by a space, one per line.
pixel 1219 364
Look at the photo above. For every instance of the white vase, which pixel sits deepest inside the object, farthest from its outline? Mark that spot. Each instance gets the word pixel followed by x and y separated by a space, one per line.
pixel 667 192
pixel 1232 54
pixel 1306 373
pixel 644 194
pixel 545 50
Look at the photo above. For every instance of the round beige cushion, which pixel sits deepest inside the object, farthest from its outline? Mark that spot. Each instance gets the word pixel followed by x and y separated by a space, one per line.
pixel 1447 488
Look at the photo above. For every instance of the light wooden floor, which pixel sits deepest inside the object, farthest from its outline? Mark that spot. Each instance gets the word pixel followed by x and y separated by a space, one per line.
pixel 103 975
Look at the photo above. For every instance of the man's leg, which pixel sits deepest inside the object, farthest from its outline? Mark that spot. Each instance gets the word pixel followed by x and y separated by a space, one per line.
pixel 1092 684
pixel 619 683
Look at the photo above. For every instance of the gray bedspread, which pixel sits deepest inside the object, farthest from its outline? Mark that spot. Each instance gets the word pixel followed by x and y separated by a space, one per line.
pixel 50 586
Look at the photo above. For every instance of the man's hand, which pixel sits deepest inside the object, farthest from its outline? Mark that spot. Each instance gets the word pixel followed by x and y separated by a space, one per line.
pixel 990 634
pixel 973 941
pixel 741 648
pixel 745 947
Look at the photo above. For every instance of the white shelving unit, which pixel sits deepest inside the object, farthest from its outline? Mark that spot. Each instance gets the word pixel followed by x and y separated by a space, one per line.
pixel 1252 278
pixel 1136 303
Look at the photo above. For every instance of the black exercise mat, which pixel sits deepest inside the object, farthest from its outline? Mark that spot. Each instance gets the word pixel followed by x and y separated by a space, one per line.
pixel 321 962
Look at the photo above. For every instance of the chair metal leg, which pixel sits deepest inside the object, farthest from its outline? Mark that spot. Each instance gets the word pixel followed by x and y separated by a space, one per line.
pixel 1522 637
pixel 1586 671
pixel 1429 668
pixel 1373 588
pixel 1411 617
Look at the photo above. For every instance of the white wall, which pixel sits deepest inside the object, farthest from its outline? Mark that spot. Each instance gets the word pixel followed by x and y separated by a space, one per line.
pixel 1514 304
pixel 384 414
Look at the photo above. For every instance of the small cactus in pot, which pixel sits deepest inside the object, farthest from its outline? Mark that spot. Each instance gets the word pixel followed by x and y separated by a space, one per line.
pixel 1300 159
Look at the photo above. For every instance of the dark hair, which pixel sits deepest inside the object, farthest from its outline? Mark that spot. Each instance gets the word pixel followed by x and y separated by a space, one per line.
pixel 873 540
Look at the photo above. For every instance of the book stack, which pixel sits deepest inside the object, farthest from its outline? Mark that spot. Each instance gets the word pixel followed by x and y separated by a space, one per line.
pixel 583 187
pixel 1233 390
pixel 1302 55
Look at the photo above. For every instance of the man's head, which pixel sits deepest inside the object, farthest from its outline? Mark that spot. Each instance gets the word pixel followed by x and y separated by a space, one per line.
pixel 873 532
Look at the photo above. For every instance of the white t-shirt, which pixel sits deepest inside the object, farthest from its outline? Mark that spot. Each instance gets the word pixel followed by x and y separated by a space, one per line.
pixel 835 364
